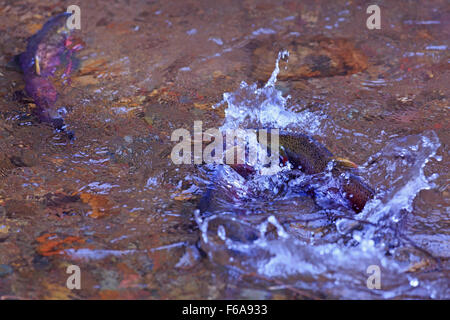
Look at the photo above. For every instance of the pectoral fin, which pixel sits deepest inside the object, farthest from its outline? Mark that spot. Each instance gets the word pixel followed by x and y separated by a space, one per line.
pixel 345 163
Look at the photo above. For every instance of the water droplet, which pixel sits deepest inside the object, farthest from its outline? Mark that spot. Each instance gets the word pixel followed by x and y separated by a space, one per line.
pixel 221 233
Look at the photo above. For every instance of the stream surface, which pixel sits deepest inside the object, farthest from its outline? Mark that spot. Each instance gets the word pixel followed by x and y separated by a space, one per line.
pixel 112 201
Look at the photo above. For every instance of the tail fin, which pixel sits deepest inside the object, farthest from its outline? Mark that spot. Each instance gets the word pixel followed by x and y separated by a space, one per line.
pixel 14 64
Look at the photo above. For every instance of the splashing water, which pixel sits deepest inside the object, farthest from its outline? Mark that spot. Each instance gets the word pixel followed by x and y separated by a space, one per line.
pixel 247 227
pixel 403 161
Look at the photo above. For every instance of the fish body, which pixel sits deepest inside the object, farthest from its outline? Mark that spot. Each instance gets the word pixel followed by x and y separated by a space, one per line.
pixel 49 50
pixel 356 191
pixel 311 157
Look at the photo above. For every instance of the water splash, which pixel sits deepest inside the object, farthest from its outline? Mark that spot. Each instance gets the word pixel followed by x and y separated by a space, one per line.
pixel 337 268
pixel 273 78
pixel 401 162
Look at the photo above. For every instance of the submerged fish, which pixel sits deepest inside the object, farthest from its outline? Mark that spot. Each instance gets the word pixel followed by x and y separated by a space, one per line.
pixel 48 51
pixel 309 156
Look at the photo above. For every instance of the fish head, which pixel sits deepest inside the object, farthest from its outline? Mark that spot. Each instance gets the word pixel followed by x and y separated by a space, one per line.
pixel 56 28
pixel 46 46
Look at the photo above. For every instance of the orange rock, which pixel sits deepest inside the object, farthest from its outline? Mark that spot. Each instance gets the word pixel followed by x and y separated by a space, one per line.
pixel 92 66
pixel 57 292
pixel 51 244
pixel 203 106
pixel 84 80
pixel 109 294
pixel 121 28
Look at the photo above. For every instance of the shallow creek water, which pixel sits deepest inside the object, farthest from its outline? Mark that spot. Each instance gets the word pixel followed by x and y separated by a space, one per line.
pixel 112 202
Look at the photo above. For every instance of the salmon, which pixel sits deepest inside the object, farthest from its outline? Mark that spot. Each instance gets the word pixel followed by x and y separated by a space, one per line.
pixel 306 154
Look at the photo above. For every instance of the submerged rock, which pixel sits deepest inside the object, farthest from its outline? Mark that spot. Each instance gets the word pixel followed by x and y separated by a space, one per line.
pixel 14 160
pixel 47 61
pixel 5 165
pixel 5 270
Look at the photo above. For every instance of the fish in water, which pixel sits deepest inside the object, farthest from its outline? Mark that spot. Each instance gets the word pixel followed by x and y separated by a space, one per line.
pixel 306 154
pixel 311 157
pixel 48 52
